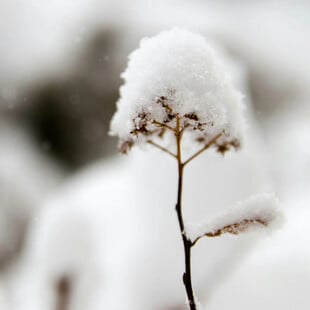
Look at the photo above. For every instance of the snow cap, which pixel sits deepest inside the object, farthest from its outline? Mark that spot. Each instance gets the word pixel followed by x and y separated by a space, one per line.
pixel 177 75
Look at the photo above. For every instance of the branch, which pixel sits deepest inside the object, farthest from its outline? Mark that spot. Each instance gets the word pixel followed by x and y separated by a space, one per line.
pixel 159 124
pixel 259 210
pixel 161 148
pixel 213 140
pixel 234 228
pixel 182 130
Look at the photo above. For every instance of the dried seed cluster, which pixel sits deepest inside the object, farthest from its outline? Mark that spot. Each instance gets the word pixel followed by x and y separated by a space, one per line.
pixel 145 125
pixel 178 75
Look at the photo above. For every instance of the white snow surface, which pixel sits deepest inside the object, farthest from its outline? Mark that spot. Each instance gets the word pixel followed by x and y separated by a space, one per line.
pixel 263 207
pixel 186 69
pixel 114 230
pixel 26 177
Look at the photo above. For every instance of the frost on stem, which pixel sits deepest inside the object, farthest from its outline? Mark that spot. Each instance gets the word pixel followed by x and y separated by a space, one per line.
pixel 177 75
pixel 259 211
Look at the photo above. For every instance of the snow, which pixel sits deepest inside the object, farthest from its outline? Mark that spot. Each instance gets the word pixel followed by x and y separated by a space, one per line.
pixel 122 212
pixel 256 212
pixel 3 298
pixel 276 275
pixel 88 237
pixel 26 176
pixel 177 73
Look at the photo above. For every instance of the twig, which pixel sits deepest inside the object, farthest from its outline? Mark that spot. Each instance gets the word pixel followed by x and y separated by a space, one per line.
pixel 202 149
pixel 161 148
pixel 159 124
pixel 234 228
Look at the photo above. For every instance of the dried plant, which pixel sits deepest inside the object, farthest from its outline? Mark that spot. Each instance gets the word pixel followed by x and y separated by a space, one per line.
pixel 175 84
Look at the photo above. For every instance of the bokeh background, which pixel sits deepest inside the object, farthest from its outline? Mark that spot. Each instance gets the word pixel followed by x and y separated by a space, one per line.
pixel 82 227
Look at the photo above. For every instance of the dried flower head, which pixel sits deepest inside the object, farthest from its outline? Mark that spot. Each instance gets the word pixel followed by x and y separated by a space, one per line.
pixel 177 76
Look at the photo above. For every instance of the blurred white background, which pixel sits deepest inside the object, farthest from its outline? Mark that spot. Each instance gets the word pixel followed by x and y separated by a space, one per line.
pixel 84 228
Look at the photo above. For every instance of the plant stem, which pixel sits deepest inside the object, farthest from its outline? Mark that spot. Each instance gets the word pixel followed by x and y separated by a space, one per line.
pixel 187 244
pixel 161 148
pixel 212 141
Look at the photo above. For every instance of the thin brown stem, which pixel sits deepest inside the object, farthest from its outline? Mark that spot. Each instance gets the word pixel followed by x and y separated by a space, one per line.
pixel 163 125
pixel 161 148
pixel 182 130
pixel 187 244
pixel 211 142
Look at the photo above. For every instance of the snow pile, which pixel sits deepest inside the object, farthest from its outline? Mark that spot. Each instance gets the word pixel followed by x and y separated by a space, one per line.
pixel 83 233
pixel 258 211
pixel 26 177
pixel 112 233
pixel 177 75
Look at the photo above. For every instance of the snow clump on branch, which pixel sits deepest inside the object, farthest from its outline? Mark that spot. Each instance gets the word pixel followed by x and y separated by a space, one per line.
pixel 177 76
pixel 255 212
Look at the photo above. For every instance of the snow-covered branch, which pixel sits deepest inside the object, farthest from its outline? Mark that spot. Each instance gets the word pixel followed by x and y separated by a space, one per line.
pixel 259 211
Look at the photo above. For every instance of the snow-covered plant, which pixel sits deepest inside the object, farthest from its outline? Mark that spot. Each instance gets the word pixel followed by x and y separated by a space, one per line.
pixel 177 97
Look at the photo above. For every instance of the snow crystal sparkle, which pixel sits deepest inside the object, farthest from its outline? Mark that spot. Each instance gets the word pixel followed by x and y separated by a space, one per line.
pixel 177 74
